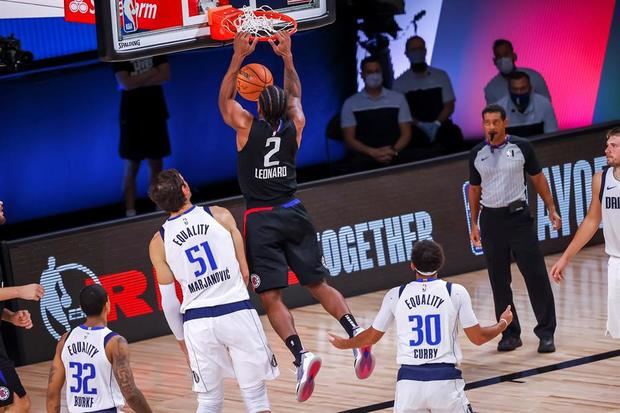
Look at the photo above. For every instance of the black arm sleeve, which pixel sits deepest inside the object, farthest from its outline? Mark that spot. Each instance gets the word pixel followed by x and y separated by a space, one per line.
pixel 532 166
pixel 474 175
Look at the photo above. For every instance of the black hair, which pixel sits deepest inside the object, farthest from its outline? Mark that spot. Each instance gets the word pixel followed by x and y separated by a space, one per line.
pixel 412 38
pixel 494 108
pixel 427 256
pixel 369 59
pixel 517 74
pixel 272 101
pixel 502 42
pixel 92 299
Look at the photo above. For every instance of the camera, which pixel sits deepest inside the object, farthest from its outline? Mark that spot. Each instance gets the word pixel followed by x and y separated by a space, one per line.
pixel 12 57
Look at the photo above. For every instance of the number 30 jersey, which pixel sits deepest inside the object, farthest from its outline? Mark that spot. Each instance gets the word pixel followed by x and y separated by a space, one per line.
pixel 427 316
pixel 91 384
pixel 201 254
pixel 266 164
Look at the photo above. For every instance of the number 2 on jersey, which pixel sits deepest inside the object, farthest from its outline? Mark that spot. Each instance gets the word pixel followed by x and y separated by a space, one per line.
pixel 276 147
pixel 427 329
pixel 199 258
pixel 81 384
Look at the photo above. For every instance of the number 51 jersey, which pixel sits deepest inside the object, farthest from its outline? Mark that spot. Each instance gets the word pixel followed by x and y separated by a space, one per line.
pixel 91 384
pixel 201 254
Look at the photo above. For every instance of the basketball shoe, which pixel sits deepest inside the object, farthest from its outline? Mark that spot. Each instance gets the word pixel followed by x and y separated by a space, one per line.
pixel 306 372
pixel 364 362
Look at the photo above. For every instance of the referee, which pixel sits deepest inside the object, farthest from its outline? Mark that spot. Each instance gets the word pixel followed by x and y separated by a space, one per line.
pixel 497 169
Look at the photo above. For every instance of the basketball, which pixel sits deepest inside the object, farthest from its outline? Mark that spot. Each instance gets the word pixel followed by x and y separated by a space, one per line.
pixel 252 80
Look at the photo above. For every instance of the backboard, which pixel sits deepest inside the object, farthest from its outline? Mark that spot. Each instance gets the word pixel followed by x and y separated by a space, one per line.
pixel 131 29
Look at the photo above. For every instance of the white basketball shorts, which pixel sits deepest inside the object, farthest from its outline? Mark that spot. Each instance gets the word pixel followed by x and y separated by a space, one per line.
pixel 613 297
pixel 231 345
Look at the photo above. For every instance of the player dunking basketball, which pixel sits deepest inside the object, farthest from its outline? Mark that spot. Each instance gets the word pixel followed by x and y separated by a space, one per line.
pixel 278 230
pixel 217 327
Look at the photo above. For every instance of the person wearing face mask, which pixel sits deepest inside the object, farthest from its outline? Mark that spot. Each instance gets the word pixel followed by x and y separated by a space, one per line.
pixel 376 122
pixel 504 59
pixel 530 113
pixel 431 100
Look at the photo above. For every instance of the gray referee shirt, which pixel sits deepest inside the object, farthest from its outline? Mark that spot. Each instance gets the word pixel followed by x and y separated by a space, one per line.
pixel 500 170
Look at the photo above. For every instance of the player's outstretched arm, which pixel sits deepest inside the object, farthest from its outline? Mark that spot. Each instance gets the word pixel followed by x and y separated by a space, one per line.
pixel 480 335
pixel 232 112
pixel 19 318
pixel 225 218
pixel 584 233
pixel 56 379
pixel 124 376
pixel 25 292
pixel 368 337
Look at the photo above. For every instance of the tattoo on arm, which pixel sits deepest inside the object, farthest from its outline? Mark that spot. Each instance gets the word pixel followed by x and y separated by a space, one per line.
pixel 124 378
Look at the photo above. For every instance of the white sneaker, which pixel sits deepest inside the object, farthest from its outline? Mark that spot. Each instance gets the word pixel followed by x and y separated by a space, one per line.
pixel 364 362
pixel 306 372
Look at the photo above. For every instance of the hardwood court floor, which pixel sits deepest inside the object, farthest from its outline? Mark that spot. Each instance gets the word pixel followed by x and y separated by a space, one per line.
pixel 162 375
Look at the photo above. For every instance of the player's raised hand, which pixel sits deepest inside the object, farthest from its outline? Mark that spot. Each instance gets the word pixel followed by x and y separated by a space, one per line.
pixel 21 318
pixel 282 45
pixel 244 44
pixel 557 271
pixel 31 292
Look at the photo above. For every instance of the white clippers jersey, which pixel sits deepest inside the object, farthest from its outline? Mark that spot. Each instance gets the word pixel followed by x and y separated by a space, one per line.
pixel 427 316
pixel 610 206
pixel 201 254
pixel 91 385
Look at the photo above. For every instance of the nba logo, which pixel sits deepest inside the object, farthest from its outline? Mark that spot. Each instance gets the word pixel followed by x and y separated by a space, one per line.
pixel 475 250
pixel 130 16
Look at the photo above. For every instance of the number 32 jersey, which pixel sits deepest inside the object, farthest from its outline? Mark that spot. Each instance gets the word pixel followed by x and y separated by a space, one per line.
pixel 427 317
pixel 91 384
pixel 266 164
pixel 201 254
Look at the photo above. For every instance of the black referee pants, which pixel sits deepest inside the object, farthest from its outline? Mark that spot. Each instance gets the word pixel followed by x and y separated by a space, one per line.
pixel 501 234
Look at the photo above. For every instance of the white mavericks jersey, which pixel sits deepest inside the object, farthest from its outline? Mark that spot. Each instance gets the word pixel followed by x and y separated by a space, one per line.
pixel 91 385
pixel 427 316
pixel 201 254
pixel 610 207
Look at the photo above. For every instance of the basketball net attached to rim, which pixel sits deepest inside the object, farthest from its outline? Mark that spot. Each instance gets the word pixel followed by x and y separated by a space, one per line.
pixel 262 23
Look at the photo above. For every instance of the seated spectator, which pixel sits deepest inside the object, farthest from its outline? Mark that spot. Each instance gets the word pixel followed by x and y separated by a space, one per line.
pixel 529 112
pixel 431 101
pixel 504 58
pixel 376 122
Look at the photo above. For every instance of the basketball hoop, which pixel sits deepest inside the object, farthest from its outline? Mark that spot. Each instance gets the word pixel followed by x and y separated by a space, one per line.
pixel 262 23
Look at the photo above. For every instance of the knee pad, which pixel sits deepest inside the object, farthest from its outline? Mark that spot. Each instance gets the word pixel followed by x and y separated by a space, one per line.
pixel 212 401
pixel 255 398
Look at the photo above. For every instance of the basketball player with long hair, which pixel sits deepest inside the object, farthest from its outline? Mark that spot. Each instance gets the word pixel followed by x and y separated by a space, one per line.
pixel 605 207
pixel 278 231
pixel 216 325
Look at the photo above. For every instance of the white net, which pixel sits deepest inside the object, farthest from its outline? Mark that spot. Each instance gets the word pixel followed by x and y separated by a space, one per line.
pixel 257 24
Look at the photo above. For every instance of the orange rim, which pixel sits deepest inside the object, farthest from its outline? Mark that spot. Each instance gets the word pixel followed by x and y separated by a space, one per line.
pixel 274 15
